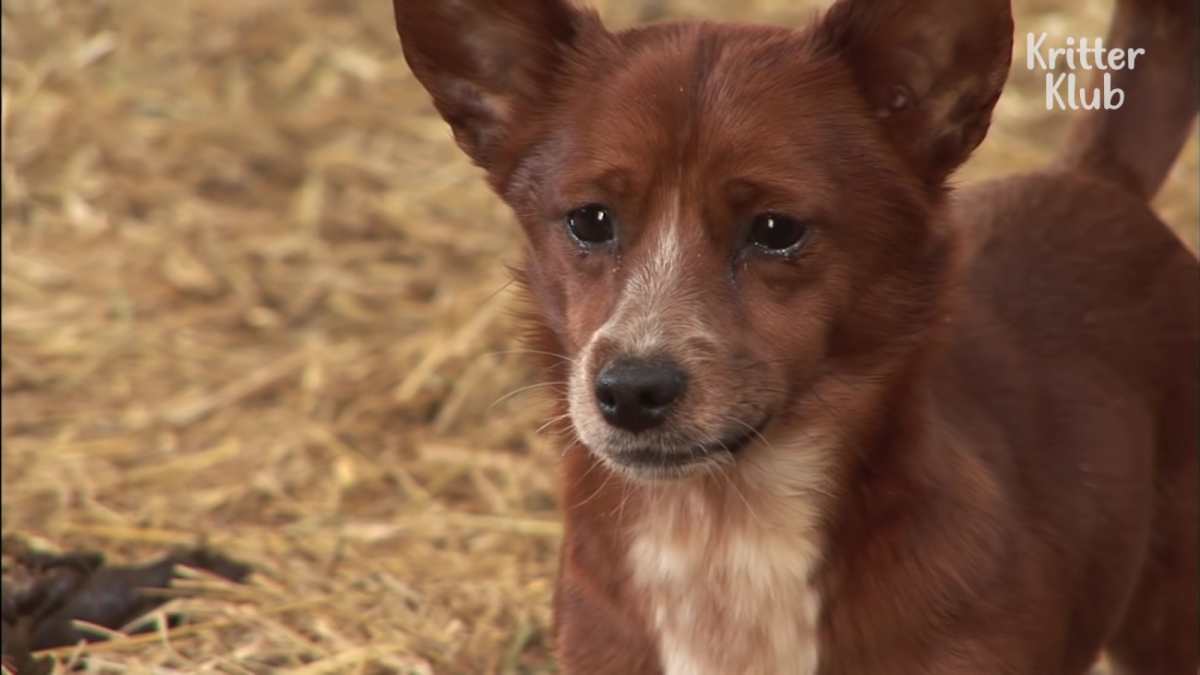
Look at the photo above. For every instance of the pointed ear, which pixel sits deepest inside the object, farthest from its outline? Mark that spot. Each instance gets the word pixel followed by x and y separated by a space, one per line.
pixel 485 60
pixel 932 71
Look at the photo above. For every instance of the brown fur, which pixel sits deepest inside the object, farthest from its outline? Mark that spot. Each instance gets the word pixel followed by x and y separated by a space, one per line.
pixel 976 414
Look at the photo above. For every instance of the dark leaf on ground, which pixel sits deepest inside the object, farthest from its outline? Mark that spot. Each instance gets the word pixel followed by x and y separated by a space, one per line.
pixel 45 593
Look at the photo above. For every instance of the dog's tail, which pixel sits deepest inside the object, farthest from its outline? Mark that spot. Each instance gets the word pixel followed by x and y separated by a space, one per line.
pixel 1136 144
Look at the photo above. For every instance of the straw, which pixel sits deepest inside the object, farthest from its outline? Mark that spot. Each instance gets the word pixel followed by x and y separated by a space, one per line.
pixel 254 296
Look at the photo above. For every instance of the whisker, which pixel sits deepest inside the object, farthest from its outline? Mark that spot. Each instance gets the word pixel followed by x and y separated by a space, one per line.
pixel 733 486
pixel 498 291
pixel 524 389
pixel 625 488
pixel 553 420
pixel 599 489
pixel 537 352
pixel 828 408
pixel 758 433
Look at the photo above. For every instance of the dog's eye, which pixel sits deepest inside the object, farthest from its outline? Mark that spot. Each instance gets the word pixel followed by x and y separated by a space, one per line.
pixel 591 224
pixel 778 234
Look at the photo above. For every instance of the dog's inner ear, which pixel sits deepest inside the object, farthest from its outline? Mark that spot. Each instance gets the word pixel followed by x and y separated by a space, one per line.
pixel 483 61
pixel 931 70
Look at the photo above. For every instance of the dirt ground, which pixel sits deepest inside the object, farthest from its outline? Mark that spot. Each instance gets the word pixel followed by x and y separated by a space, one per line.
pixel 254 296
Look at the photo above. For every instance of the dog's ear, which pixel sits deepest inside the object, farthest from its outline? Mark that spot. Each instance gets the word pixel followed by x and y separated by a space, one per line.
pixel 931 70
pixel 484 61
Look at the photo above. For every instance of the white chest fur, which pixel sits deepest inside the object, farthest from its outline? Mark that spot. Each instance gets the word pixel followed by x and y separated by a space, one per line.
pixel 726 574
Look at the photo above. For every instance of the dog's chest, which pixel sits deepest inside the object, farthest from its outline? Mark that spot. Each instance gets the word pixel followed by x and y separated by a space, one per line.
pixel 726 592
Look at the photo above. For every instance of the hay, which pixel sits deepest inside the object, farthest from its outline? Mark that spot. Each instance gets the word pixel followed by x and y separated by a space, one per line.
pixel 252 295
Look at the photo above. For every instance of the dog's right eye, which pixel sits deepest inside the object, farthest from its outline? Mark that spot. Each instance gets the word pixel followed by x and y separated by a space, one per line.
pixel 778 234
pixel 591 224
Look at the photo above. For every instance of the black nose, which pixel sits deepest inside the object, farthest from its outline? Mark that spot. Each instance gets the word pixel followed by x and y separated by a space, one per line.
pixel 636 394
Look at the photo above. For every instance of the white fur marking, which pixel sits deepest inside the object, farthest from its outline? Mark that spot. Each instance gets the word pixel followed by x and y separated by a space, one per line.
pixel 649 293
pixel 729 589
pixel 653 315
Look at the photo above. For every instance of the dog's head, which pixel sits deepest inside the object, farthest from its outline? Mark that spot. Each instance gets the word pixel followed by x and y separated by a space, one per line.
pixel 717 216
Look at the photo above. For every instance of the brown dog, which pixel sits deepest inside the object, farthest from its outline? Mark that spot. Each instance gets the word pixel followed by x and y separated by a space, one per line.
pixel 823 415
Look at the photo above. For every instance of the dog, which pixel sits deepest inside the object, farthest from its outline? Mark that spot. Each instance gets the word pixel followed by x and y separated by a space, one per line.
pixel 821 412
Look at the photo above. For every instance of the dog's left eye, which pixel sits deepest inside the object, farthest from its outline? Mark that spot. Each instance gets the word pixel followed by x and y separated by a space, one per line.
pixel 591 224
pixel 776 233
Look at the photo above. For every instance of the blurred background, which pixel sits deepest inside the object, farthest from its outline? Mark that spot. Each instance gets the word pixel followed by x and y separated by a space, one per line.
pixel 254 297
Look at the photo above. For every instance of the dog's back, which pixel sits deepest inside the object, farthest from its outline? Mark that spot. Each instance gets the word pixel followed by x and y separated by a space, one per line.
pixel 1089 307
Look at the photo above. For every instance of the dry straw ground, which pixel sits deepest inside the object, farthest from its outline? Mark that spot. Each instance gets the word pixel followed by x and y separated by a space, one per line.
pixel 253 295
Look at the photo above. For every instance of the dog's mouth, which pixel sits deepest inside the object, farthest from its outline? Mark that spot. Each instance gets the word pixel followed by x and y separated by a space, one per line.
pixel 665 463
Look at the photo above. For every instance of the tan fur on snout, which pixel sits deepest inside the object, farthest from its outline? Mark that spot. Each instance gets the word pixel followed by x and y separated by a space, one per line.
pixel 660 314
